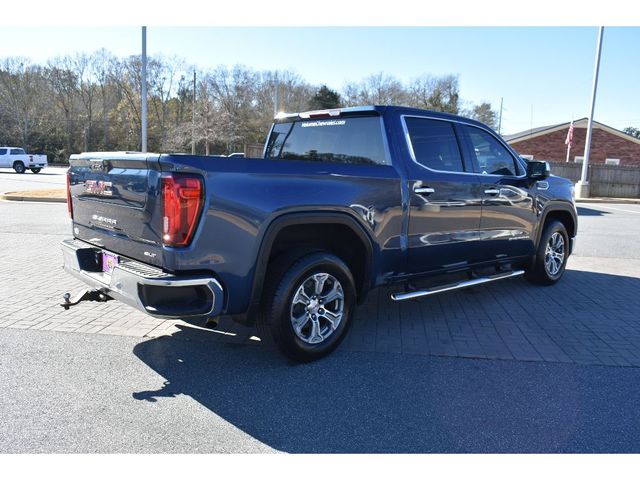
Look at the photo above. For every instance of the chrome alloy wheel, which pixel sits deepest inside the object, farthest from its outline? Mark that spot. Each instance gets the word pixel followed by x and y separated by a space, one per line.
pixel 554 254
pixel 317 308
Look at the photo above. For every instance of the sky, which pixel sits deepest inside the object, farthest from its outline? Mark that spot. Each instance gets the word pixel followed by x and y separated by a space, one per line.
pixel 543 74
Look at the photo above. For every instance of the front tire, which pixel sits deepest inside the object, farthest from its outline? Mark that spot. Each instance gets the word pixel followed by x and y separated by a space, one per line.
pixel 551 257
pixel 19 167
pixel 308 305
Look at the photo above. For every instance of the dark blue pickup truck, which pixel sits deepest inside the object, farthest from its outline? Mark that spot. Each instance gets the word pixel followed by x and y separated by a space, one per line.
pixel 342 201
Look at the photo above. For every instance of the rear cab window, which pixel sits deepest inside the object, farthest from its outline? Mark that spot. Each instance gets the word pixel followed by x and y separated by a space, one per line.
pixel 346 140
pixel 434 144
pixel 491 157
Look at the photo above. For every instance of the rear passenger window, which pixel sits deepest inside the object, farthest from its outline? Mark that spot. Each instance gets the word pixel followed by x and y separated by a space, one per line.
pixel 491 156
pixel 333 140
pixel 16 151
pixel 434 144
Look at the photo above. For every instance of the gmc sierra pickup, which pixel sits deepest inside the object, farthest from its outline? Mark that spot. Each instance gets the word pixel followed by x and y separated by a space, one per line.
pixel 342 201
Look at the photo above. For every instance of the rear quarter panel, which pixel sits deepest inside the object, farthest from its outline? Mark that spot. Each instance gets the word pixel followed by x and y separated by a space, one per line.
pixel 244 196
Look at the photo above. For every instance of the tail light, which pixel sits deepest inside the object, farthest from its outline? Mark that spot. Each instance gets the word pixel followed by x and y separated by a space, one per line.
pixel 182 200
pixel 335 112
pixel 69 205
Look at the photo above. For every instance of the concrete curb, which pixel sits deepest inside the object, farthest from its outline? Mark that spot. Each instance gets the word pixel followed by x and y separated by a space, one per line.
pixel 16 197
pixel 627 201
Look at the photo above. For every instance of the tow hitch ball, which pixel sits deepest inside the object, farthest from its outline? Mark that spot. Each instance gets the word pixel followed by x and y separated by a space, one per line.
pixel 85 294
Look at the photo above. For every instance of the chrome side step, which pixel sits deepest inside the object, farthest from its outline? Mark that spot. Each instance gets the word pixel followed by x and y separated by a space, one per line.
pixel 398 297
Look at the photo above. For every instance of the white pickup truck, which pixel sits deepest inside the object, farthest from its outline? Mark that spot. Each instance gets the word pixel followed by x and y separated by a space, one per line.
pixel 20 161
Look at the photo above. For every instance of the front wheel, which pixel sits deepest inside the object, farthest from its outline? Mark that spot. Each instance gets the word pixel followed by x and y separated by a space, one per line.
pixel 551 256
pixel 308 305
pixel 36 170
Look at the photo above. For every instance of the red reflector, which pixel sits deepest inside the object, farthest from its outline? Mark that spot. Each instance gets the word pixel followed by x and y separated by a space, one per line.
pixel 69 205
pixel 182 199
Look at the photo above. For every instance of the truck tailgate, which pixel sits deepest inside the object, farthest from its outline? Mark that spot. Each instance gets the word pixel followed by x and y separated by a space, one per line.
pixel 113 199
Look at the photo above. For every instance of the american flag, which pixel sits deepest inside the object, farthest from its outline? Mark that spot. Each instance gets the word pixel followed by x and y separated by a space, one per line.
pixel 569 140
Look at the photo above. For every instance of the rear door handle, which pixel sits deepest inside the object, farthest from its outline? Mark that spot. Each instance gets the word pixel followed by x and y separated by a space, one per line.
pixel 424 190
pixel 492 191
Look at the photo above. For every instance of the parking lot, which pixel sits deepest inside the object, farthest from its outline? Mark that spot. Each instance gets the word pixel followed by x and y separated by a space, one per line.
pixel 503 367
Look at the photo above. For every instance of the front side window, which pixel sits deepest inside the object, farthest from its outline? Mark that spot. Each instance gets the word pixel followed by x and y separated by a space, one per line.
pixel 3 151
pixel 434 144
pixel 17 151
pixel 492 157
pixel 334 140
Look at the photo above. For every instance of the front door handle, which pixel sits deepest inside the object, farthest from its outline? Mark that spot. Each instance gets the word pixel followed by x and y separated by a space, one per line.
pixel 424 190
pixel 492 191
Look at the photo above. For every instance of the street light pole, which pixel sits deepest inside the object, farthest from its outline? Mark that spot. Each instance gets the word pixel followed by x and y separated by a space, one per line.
pixel 276 96
pixel 582 187
pixel 193 117
pixel 143 113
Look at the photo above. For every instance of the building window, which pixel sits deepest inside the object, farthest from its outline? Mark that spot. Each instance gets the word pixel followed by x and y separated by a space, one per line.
pixel 578 159
pixel 612 161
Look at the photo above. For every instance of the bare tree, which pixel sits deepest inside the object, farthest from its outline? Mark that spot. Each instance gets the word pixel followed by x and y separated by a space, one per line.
pixel 64 85
pixel 435 93
pixel 378 89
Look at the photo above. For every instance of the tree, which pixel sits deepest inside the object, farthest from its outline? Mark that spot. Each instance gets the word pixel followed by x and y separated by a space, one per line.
pixel 634 132
pixel 378 89
pixel 484 113
pixel 325 98
pixel 440 94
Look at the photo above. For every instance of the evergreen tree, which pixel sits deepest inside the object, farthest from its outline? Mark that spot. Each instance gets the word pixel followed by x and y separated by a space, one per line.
pixel 325 98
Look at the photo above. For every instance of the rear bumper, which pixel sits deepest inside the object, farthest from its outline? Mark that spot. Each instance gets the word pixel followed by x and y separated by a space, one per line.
pixel 147 288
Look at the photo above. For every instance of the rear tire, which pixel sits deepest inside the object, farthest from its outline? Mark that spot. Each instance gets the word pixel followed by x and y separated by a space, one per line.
pixel 551 257
pixel 308 305
pixel 36 170
pixel 19 167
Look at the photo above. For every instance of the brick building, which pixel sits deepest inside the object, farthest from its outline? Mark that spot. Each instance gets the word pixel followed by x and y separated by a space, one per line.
pixel 608 145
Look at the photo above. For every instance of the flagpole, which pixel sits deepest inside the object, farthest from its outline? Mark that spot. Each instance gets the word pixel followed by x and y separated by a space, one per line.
pixel 568 152
pixel 582 187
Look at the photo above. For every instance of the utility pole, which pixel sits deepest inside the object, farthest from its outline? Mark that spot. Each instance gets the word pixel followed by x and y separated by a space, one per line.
pixel 276 97
pixel 582 187
pixel 144 91
pixel 500 119
pixel 193 117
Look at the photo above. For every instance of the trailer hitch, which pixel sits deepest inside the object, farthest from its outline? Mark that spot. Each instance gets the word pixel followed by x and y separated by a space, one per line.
pixel 86 294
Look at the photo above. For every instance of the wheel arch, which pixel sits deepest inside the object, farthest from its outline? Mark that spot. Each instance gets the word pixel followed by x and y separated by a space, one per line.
pixel 302 220
pixel 564 214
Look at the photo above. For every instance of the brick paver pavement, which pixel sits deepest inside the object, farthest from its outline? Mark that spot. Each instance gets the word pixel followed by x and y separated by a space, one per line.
pixel 588 318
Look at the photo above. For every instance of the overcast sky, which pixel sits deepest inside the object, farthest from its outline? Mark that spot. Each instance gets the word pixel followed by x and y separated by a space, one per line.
pixel 543 72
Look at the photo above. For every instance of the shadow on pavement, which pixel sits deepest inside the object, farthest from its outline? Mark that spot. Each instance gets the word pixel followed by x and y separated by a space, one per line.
pixel 591 212
pixel 372 402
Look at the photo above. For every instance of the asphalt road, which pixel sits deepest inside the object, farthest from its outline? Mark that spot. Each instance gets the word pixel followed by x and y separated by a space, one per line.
pixel 65 392
pixel 50 177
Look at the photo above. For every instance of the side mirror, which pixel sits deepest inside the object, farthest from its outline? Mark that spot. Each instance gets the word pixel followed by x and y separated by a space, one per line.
pixel 538 170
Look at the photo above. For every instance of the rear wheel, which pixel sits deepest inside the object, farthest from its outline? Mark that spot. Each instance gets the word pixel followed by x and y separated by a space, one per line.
pixel 19 167
pixel 36 170
pixel 308 305
pixel 551 257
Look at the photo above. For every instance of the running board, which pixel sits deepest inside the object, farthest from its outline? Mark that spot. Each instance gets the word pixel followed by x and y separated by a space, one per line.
pixel 398 297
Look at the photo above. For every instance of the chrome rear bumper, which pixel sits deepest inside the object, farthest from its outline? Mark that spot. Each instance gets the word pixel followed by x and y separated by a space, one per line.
pixel 145 287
